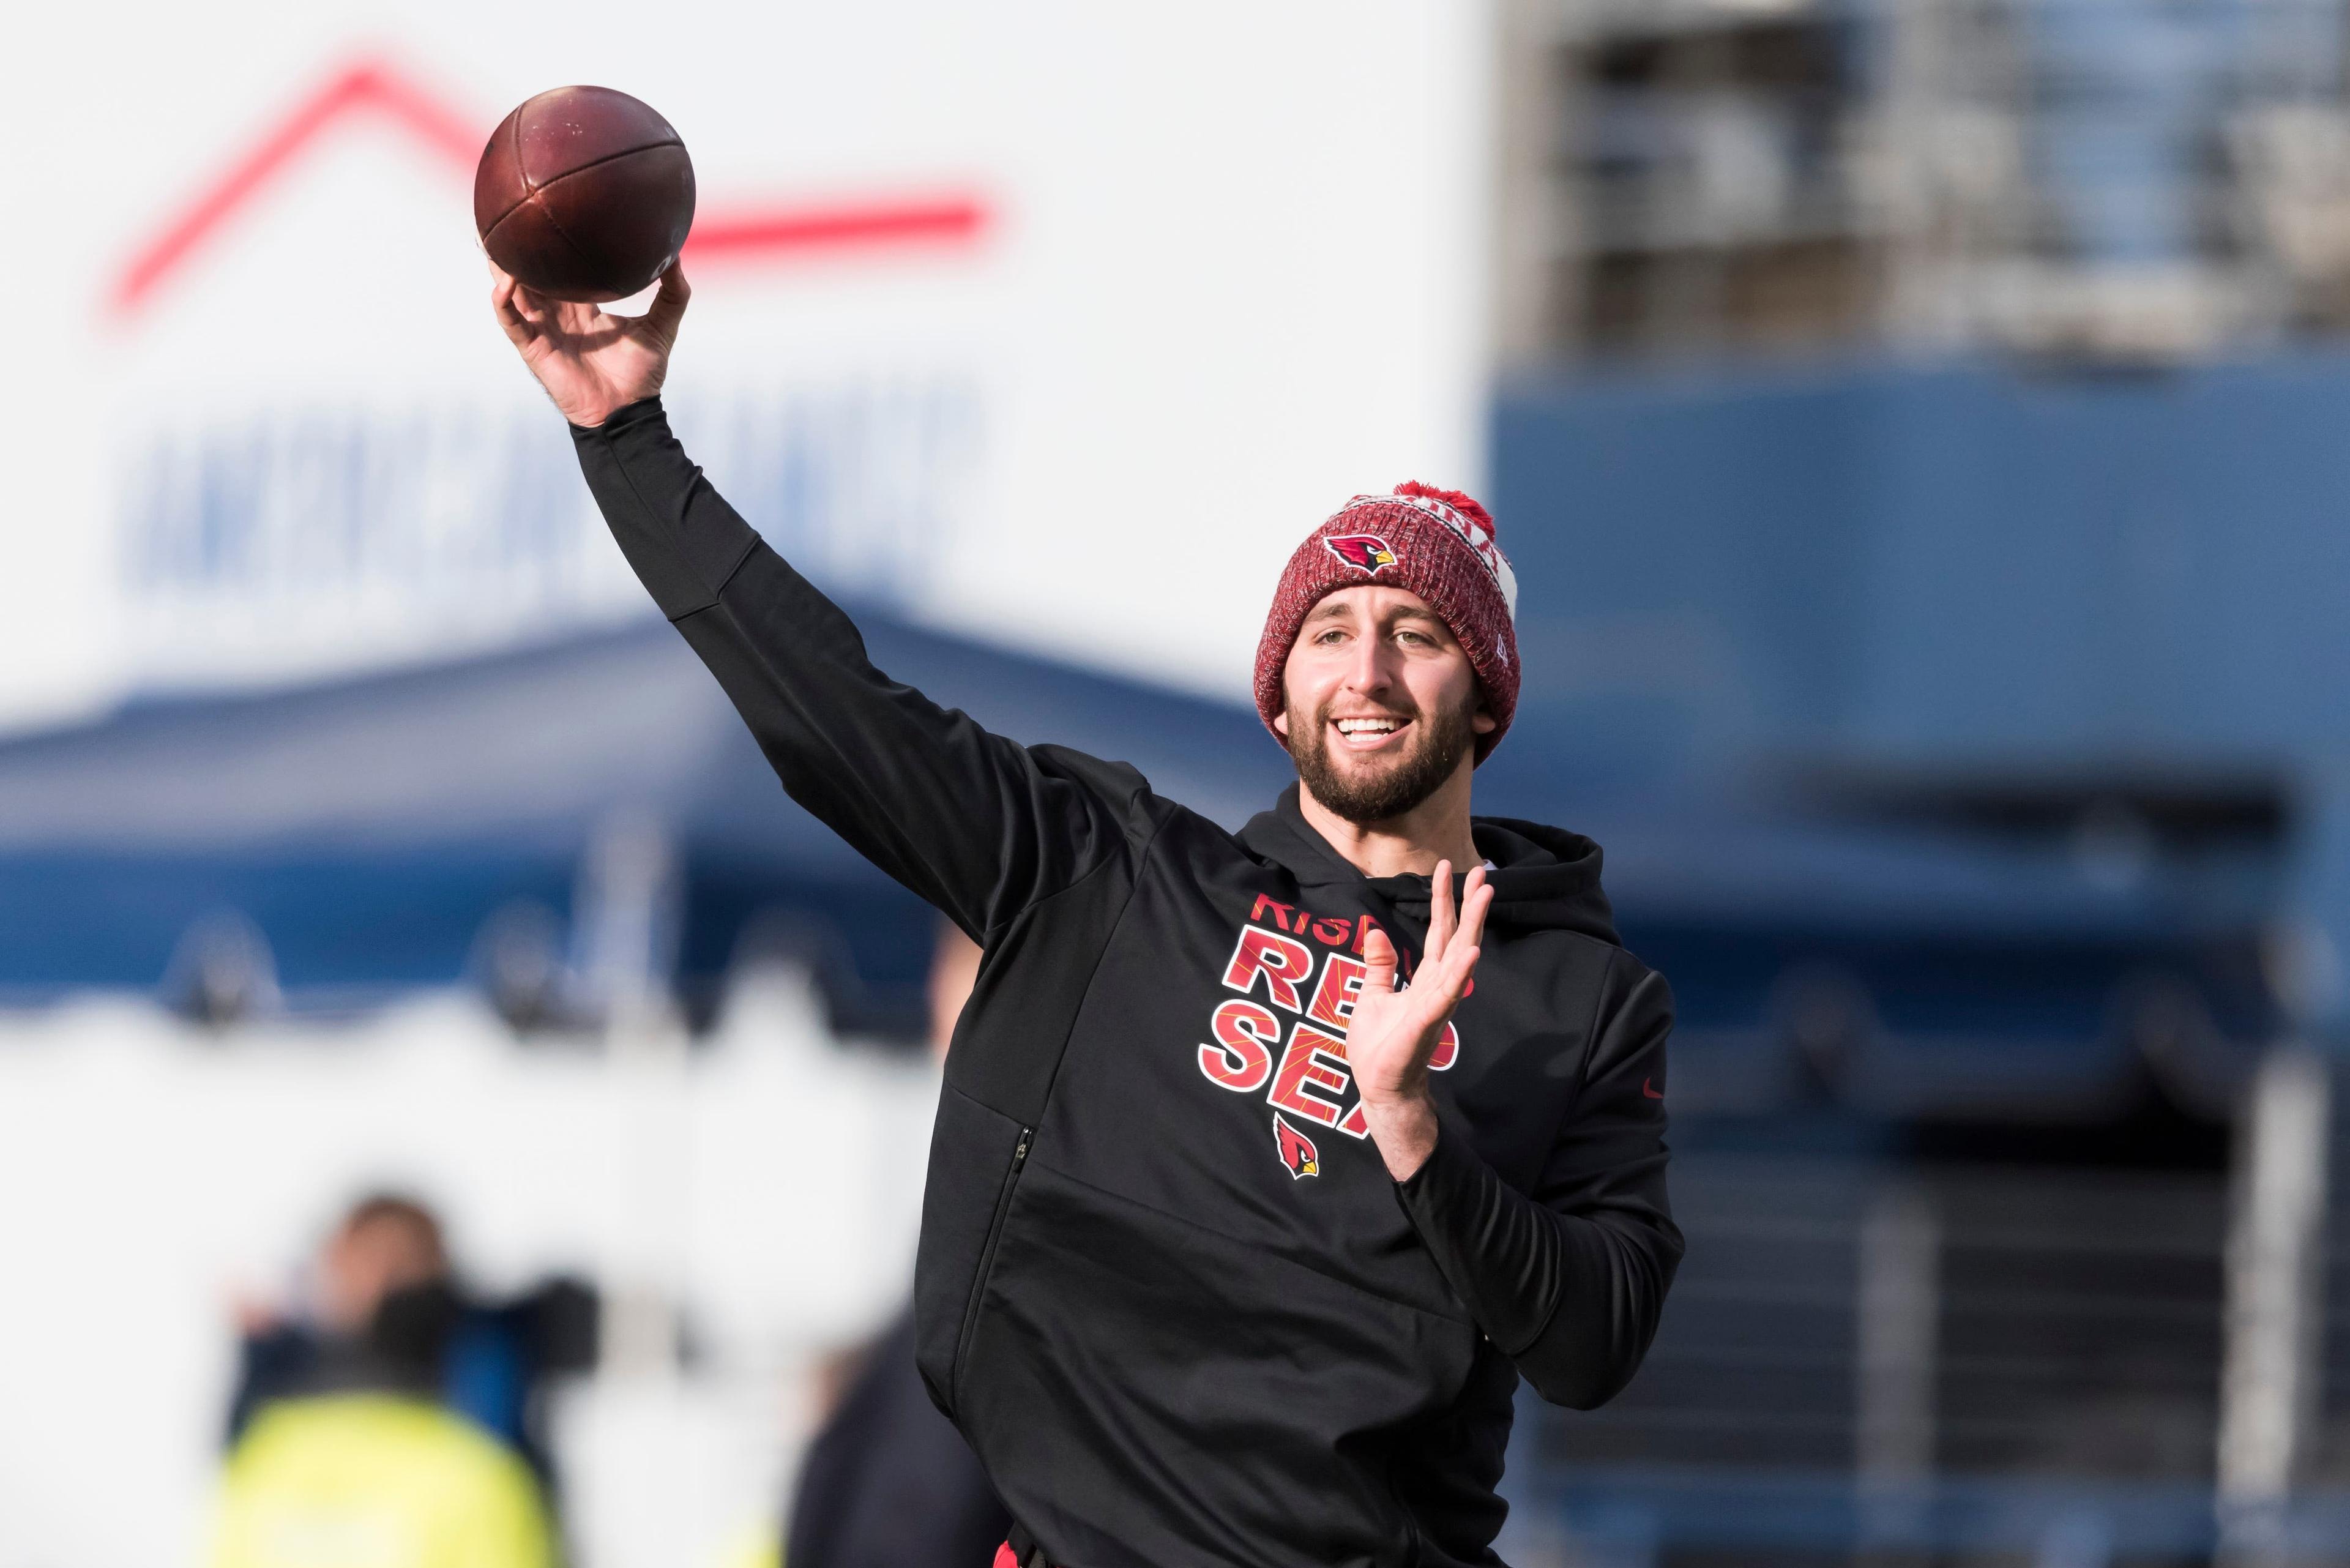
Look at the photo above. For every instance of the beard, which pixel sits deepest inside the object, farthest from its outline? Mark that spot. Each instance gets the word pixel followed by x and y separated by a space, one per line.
pixel 1396 786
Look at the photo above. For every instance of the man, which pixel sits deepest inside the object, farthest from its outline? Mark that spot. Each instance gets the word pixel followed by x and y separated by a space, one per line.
pixel 381 1278
pixel 351 1435
pixel 1233 1251
pixel 390 1317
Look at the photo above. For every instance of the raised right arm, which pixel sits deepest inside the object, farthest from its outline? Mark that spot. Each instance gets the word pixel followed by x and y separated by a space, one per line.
pixel 976 824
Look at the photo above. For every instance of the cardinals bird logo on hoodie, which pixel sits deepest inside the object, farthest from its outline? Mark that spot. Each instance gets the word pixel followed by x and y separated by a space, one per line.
pixel 1296 1149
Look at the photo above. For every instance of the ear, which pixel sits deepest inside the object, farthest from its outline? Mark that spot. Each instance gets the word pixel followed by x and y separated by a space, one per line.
pixel 1482 720
pixel 1281 724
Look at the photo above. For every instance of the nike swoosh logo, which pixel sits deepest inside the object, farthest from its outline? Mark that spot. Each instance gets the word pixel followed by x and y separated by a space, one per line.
pixel 1646 1088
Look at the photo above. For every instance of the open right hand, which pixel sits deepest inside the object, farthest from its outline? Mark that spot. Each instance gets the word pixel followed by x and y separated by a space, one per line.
pixel 591 363
pixel 1394 1033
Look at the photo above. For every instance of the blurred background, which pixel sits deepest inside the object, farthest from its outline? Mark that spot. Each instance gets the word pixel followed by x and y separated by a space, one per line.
pixel 1919 429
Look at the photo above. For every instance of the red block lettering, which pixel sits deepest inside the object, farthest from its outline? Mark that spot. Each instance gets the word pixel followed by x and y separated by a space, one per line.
pixel 1333 999
pixel 1354 1124
pixel 1283 962
pixel 1314 1061
pixel 1241 1058
pixel 1332 933
pixel 1264 906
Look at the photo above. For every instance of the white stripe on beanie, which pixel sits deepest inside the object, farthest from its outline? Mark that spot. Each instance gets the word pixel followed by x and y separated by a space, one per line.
pixel 1480 542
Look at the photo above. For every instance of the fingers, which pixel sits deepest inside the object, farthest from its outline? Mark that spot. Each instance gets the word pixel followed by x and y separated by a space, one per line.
pixel 580 318
pixel 528 307
pixel 565 322
pixel 1379 961
pixel 504 307
pixel 1476 897
pixel 527 303
pixel 1439 913
pixel 668 303
pixel 1441 986
pixel 1458 961
pixel 1467 966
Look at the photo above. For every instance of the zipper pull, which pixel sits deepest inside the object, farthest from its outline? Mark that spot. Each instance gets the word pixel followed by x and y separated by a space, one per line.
pixel 1021 1153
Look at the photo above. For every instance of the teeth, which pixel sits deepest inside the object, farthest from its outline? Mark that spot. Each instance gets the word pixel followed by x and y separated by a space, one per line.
pixel 1366 726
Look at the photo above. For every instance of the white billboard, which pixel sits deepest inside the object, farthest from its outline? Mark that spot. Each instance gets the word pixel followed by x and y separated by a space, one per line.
pixel 1057 322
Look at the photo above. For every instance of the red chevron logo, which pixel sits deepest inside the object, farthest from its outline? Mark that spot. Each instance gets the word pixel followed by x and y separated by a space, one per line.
pixel 371 87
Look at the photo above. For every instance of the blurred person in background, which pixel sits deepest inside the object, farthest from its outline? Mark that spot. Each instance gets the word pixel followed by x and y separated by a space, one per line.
pixel 386 1245
pixel 888 1482
pixel 1184 1318
pixel 396 1416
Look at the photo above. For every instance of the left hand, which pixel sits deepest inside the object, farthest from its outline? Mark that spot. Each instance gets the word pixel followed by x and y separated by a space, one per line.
pixel 1393 1032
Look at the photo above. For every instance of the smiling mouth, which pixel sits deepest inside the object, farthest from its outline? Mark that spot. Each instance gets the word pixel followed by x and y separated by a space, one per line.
pixel 1369 734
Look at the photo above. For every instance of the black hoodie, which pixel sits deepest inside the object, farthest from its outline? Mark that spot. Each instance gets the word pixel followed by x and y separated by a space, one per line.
pixel 1166 1286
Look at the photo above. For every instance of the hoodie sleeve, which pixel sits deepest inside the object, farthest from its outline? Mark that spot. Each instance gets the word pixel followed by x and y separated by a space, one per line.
pixel 978 825
pixel 1569 1281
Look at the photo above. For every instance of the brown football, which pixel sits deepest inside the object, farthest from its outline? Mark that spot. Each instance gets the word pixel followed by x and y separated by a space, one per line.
pixel 584 193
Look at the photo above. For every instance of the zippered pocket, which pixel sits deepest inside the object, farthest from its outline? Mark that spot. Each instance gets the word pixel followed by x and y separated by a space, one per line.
pixel 987 1255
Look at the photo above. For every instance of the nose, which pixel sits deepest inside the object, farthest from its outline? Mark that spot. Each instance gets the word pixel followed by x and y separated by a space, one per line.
pixel 1367 670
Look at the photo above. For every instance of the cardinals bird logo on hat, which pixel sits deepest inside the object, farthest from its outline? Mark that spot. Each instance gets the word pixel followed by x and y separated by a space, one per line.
pixel 1367 553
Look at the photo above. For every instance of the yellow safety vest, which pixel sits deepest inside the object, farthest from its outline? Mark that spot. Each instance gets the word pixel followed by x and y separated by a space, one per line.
pixel 371 1481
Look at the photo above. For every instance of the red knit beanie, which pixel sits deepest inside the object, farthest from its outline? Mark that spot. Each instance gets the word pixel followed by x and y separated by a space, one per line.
pixel 1438 543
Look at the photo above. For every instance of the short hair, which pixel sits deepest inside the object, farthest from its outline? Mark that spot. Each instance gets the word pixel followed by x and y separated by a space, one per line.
pixel 401 1210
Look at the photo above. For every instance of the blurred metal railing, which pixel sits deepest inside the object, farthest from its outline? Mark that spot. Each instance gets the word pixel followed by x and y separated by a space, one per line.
pixel 2056 1322
pixel 1869 1357
pixel 1792 1519
pixel 1755 1362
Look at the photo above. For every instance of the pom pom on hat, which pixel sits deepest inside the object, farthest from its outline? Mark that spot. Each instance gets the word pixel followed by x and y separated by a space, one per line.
pixel 1460 501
